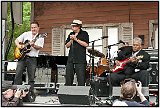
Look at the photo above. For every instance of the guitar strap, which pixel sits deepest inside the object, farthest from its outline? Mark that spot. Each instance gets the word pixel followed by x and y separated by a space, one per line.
pixel 35 36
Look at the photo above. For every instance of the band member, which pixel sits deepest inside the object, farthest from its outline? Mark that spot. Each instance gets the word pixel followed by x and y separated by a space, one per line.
pixel 29 60
pixel 134 65
pixel 77 41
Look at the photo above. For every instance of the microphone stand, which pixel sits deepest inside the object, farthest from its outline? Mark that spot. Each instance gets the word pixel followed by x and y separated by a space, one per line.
pixel 109 57
pixel 109 48
pixel 92 72
pixel 92 90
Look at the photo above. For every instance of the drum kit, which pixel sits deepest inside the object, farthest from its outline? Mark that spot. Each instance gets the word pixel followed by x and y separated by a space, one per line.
pixel 102 65
pixel 98 73
pixel 102 71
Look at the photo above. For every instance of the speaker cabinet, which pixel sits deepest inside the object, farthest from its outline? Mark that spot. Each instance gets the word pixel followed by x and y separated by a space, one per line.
pixel 153 73
pixel 74 95
pixel 101 87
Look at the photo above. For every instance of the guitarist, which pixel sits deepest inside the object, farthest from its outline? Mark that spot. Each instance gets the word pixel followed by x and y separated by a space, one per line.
pixel 29 60
pixel 135 68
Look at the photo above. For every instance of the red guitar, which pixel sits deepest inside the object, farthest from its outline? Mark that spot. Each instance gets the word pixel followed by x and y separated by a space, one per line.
pixel 123 63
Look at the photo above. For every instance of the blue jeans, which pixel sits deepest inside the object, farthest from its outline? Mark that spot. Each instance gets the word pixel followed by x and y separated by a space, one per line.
pixel 30 63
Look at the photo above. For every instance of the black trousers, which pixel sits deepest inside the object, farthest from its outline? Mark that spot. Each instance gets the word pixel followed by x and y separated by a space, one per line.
pixel 141 75
pixel 79 69
pixel 31 64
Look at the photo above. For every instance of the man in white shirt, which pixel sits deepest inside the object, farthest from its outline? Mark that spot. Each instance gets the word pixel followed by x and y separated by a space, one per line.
pixel 29 59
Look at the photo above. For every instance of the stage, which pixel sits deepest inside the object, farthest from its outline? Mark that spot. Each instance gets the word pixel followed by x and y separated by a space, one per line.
pixel 44 98
pixel 52 100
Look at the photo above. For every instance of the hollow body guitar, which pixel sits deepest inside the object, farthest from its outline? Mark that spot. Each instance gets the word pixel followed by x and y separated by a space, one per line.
pixel 20 53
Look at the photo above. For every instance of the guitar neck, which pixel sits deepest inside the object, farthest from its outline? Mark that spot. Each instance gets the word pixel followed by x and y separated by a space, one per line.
pixel 128 60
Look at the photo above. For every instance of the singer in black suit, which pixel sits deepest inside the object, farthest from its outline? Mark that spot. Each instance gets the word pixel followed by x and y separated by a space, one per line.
pixel 137 65
pixel 77 41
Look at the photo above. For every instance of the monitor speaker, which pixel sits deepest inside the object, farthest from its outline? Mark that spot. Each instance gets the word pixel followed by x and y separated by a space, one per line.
pixel 74 95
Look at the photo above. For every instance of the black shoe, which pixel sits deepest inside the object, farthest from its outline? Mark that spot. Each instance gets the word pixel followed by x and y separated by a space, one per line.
pixel 30 97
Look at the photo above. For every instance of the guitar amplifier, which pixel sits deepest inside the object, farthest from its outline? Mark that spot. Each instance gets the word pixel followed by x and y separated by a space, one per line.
pixel 153 76
pixel 153 73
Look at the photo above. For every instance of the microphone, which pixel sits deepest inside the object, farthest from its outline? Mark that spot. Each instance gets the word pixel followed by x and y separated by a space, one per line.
pixel 104 37
pixel 73 33
pixel 120 41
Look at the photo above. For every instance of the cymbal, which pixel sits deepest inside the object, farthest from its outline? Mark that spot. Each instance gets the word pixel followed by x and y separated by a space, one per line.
pixel 96 53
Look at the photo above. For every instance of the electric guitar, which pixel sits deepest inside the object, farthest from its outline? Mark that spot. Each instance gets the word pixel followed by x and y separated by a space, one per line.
pixel 20 53
pixel 123 64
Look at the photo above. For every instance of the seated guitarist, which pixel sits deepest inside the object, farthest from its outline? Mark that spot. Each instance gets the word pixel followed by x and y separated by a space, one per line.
pixel 28 59
pixel 132 62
